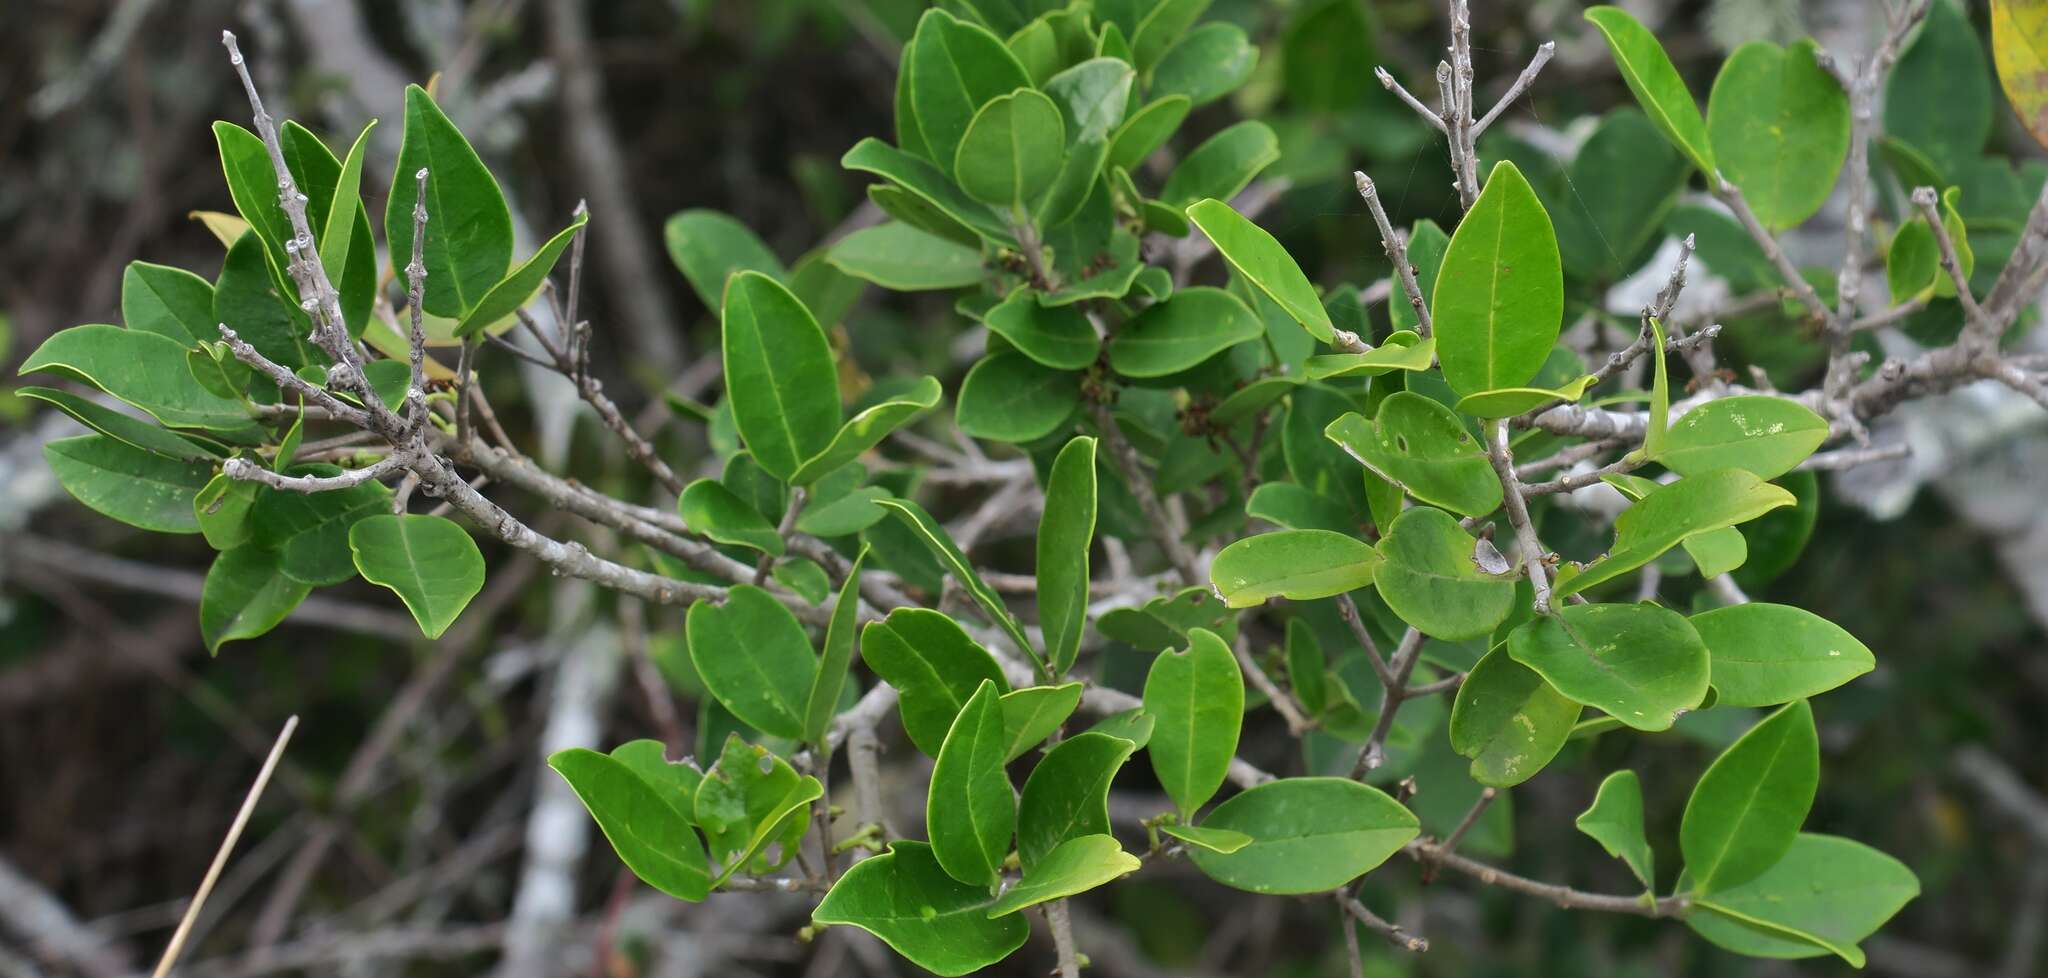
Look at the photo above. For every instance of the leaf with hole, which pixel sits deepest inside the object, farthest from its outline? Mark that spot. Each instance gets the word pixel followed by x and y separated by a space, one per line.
pixel 1431 577
pixel 1420 445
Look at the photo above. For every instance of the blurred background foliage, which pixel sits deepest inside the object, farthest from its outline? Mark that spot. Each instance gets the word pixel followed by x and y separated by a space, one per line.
pixel 124 749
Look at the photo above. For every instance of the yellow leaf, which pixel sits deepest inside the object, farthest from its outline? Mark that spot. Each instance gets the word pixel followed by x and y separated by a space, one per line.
pixel 2019 43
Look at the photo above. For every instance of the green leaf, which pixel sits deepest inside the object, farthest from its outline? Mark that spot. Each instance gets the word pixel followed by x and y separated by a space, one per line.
pixel 1426 247
pixel 1402 350
pixel 1509 721
pixel 1058 337
pixel 337 235
pixel 244 596
pixel 971 811
pixel 1766 654
pixel 1298 564
pixel 676 783
pixel 1765 435
pixel 1510 401
pixel 1032 714
pixel 709 508
pixel 320 176
pixel 1825 895
pixel 1308 835
pixel 938 922
pixel 1657 87
pixel 430 562
pixel 522 284
pixel 288 446
pixel 1011 150
pixel 1499 298
pixel 223 509
pixel 823 701
pixel 1197 696
pixel 1670 514
pixel 779 374
pixel 1075 866
pixel 753 656
pixel 249 301
pixel 1148 129
pixel 168 301
pixel 252 183
pixel 1134 725
pixel 1037 49
pixel 941 546
pixel 1181 332
pixel 1223 841
pixel 1208 63
pixel 1091 97
pixel 126 483
pixel 1658 429
pixel 1609 205
pixel 1938 97
pixel 1076 183
pixel 1642 664
pixel 1296 507
pixel 1747 808
pixel 710 247
pixel 1009 397
pixel 749 799
pixel 126 429
pixel 1717 552
pixel 146 370
pixel 1067 795
pixel 469 228
pixel 311 530
pixel 656 843
pixel 1912 263
pixel 1258 258
pixel 956 68
pixel 1222 165
pixel 928 183
pixel 934 666
pixel 1432 577
pixel 867 429
pixel 1615 820
pixel 902 258
pixel 1306 667
pixel 1066 531
pixel 1420 445
pixel 1779 124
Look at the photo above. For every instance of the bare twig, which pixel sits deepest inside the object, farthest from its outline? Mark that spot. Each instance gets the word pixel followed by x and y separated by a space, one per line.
pixel 227 846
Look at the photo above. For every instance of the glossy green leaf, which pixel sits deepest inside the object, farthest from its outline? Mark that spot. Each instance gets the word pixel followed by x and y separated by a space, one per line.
pixel 1912 262
pixel 903 258
pixel 779 374
pixel 710 247
pixel 1642 664
pixel 1656 84
pixel 311 530
pixel 1688 507
pixel 248 300
pixel 1717 552
pixel 948 553
pixel 934 666
pixel 1058 337
pixel 754 657
pixel 469 228
pixel 1746 809
pixel 1030 715
pixel 1181 332
pixel 1011 150
pixel 338 242
pixel 1432 578
pixel 1091 97
pixel 1222 165
pixel 1766 654
pixel 830 681
pixel 676 783
pixel 1499 298
pixel 1764 435
pixel 1197 696
pixel 907 900
pixel 522 284
pixel 1258 257
pixel 1308 835
pixel 1074 866
pixel 865 430
pixel 656 843
pixel 1509 721
pixel 146 370
pixel 1067 794
pixel 252 183
pixel 1009 397
pixel 1825 895
pixel 223 509
pixel 168 301
pixel 709 508
pixel 1420 445
pixel 1207 63
pixel 956 68
pixel 928 183
pixel 245 595
pixel 1402 350
pixel 1066 532
pixel 126 429
pixel 971 811
pixel 1147 129
pixel 1294 507
pixel 748 800
pixel 1779 124
pixel 1615 820
pixel 430 562
pixel 1299 564
pixel 1510 401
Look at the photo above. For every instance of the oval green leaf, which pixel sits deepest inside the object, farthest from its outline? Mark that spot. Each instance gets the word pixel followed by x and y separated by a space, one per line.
pixel 1642 664
pixel 1308 835
pixel 1197 697
pixel 1299 564
pixel 430 562
pixel 1499 298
